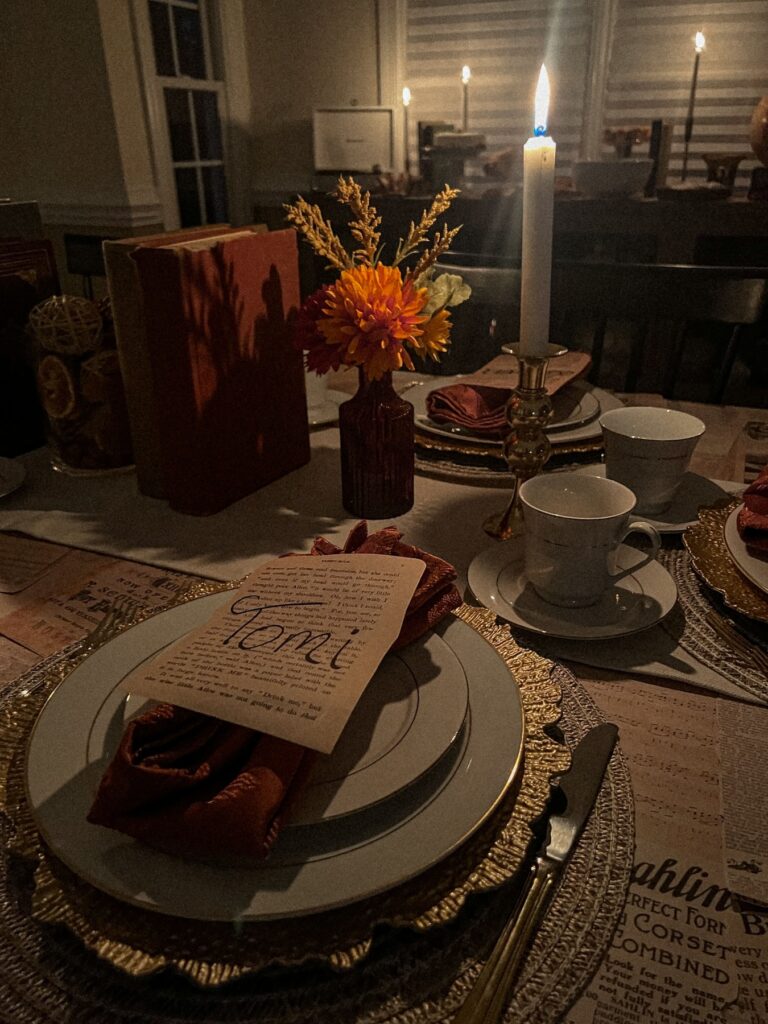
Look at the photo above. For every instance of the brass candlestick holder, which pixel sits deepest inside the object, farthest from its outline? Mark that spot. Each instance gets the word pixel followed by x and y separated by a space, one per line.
pixel 527 447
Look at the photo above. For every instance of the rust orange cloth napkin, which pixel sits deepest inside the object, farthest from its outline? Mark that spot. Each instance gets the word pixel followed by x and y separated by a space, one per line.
pixel 435 594
pixel 752 520
pixel 197 787
pixel 472 406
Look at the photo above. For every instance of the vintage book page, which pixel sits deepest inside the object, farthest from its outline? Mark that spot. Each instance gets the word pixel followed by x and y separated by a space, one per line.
pixel 67 593
pixel 744 791
pixel 23 561
pixel 679 951
pixel 503 371
pixel 292 650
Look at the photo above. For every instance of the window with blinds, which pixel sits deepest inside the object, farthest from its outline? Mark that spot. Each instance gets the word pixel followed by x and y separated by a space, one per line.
pixel 504 43
pixel 651 68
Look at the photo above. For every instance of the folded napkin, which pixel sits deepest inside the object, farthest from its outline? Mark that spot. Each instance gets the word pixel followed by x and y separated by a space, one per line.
pixel 479 403
pixel 472 406
pixel 197 787
pixel 752 520
pixel 435 595
pixel 194 786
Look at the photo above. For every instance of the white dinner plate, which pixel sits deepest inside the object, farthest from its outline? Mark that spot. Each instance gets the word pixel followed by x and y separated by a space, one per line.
pixel 328 412
pixel 637 602
pixel 573 407
pixel 755 569
pixel 311 868
pixel 402 725
pixel 694 493
pixel 12 475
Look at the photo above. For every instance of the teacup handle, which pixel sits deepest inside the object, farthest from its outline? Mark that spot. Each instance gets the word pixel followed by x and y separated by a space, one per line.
pixel 653 536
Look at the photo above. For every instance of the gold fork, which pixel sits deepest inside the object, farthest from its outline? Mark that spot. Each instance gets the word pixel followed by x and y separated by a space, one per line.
pixel 119 612
pixel 727 631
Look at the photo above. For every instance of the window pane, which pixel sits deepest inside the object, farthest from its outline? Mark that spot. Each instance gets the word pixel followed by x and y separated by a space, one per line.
pixel 159 16
pixel 179 124
pixel 208 125
pixel 189 42
pixel 189 199
pixel 215 187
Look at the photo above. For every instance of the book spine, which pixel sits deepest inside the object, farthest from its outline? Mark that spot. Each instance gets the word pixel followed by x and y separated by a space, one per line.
pixel 167 359
pixel 133 353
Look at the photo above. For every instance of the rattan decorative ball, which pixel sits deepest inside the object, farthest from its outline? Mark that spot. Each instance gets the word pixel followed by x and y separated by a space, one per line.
pixel 67 323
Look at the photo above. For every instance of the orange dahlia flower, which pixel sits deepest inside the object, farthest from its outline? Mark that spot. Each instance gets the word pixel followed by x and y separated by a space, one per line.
pixel 371 316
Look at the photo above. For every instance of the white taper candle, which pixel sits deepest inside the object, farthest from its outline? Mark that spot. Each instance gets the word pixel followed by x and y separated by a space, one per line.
pixel 538 208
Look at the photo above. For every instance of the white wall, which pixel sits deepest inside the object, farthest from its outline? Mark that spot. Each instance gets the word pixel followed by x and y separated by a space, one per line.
pixel 56 120
pixel 304 54
pixel 72 126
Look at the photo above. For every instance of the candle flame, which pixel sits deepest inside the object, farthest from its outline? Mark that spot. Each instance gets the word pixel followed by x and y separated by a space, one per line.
pixel 541 103
pixel 406 96
pixel 466 74
pixel 699 42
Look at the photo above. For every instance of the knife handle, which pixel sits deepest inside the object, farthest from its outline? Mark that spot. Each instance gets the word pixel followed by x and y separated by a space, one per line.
pixel 490 994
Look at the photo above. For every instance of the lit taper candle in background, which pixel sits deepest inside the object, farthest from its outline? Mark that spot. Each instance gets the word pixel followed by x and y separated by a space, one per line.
pixel 466 74
pixel 538 203
pixel 406 104
pixel 699 42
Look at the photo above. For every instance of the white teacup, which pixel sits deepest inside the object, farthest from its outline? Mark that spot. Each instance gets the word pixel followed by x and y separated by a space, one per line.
pixel 317 389
pixel 648 450
pixel 573 526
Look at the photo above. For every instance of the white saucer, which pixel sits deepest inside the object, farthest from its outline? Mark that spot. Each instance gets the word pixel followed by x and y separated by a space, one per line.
pixel 639 601
pixel 755 569
pixel 12 476
pixel 328 412
pixel 695 492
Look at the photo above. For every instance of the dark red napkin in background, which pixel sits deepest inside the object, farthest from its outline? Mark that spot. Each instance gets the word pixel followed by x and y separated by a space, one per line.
pixel 194 786
pixel 472 406
pixel 752 520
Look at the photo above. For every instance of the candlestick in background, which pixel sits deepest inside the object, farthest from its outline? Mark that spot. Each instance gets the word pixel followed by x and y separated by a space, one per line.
pixel 538 204
pixel 466 74
pixel 406 104
pixel 699 43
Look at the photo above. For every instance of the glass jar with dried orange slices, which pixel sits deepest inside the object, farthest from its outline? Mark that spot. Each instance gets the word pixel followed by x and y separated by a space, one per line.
pixel 78 377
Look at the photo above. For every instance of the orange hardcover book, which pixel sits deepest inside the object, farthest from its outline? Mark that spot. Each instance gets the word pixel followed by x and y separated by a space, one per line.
pixel 228 382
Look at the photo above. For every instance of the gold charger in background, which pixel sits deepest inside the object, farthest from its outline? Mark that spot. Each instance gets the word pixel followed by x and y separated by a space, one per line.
pixel 705 541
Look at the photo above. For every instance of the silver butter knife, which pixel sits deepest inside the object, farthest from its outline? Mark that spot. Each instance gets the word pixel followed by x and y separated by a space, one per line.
pixel 578 790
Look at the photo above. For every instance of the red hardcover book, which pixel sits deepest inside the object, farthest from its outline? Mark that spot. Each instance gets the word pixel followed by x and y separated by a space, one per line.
pixel 128 314
pixel 229 385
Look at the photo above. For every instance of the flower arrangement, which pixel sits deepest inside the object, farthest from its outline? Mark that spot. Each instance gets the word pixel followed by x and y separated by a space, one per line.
pixel 374 315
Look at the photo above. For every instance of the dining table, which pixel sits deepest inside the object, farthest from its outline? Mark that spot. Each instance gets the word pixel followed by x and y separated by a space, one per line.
pixel 662 911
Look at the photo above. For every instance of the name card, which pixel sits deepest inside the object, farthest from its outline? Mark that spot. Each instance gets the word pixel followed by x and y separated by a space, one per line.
pixel 292 650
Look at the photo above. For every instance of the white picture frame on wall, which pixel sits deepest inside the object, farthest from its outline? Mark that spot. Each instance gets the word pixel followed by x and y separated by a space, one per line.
pixel 353 139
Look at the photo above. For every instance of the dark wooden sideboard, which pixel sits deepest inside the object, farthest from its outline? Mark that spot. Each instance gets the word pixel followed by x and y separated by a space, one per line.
pixel 726 232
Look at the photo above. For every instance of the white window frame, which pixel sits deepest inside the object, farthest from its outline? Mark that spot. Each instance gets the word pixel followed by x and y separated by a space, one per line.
pixel 233 98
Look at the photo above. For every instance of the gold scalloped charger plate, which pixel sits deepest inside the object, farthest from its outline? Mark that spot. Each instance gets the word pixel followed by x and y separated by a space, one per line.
pixel 713 562
pixel 311 868
pixel 211 953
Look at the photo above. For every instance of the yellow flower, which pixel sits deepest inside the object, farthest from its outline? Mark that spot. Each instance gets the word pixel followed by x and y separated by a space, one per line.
pixel 370 315
pixel 434 337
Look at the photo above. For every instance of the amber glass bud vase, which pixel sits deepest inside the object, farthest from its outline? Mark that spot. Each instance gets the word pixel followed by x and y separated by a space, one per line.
pixel 376 427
